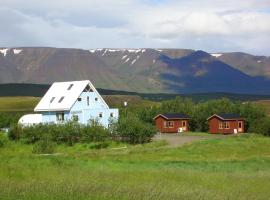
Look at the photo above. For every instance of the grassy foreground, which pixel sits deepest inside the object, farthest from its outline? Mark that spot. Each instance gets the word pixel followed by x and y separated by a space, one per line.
pixel 230 168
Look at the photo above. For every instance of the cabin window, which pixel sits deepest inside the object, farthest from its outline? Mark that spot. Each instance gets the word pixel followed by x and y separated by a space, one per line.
pixel 79 99
pixel 239 124
pixel 70 86
pixel 224 125
pixel 169 124
pixel 183 123
pixel 100 115
pixel 88 101
pixel 52 99
pixel 60 117
pixel 61 99
pixel 111 114
pixel 96 99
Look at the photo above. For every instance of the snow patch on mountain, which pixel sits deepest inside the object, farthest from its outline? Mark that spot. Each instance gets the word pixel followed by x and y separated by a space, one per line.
pixel 17 51
pixel 4 51
pixel 123 57
pixel 216 54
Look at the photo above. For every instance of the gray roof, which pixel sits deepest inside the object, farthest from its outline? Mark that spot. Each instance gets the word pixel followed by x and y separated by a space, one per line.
pixel 227 116
pixel 174 116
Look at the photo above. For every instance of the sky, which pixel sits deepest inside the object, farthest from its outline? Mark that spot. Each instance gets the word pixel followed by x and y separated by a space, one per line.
pixel 209 25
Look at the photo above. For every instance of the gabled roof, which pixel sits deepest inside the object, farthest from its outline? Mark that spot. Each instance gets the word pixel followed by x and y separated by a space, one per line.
pixel 173 116
pixel 62 95
pixel 226 116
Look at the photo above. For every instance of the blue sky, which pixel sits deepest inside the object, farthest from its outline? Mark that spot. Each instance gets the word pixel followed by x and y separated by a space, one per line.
pixel 210 25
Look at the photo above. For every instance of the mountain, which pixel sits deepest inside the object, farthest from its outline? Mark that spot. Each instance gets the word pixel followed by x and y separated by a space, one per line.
pixel 139 70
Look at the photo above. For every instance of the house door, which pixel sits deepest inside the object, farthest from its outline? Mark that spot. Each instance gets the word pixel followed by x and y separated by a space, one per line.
pixel 240 126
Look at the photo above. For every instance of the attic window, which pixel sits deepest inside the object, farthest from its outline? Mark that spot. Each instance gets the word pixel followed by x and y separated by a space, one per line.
pixel 88 89
pixel 52 99
pixel 61 99
pixel 79 99
pixel 70 86
pixel 96 99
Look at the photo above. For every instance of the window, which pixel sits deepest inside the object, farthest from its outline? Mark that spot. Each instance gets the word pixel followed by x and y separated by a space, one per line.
pixel 52 99
pixel 169 124
pixel 223 125
pixel 239 124
pixel 100 115
pixel 111 115
pixel 96 99
pixel 60 117
pixel 75 118
pixel 88 101
pixel 61 99
pixel 183 123
pixel 79 99
pixel 70 86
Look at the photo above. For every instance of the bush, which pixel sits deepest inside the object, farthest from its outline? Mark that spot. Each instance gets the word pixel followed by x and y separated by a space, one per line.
pixel 15 132
pixel 131 129
pixel 44 146
pixel 3 140
pixel 94 132
pixel 261 126
pixel 98 145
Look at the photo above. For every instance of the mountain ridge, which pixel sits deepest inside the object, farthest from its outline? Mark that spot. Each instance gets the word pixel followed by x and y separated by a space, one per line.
pixel 139 70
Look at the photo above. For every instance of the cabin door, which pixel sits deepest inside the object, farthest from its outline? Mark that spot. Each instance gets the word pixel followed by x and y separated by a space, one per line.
pixel 240 126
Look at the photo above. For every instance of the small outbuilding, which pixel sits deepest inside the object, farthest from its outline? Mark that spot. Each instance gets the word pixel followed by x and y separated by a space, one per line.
pixel 226 123
pixel 172 122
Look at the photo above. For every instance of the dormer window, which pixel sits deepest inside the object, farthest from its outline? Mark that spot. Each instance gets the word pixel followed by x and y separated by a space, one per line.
pixel 70 86
pixel 61 99
pixel 52 99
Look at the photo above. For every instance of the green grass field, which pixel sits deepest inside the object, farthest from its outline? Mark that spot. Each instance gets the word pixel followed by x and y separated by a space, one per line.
pixel 18 104
pixel 236 167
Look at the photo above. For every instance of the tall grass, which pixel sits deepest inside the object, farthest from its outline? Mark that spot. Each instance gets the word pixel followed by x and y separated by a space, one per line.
pixel 230 168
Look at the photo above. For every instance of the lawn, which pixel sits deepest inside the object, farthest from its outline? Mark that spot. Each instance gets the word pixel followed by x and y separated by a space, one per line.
pixel 236 167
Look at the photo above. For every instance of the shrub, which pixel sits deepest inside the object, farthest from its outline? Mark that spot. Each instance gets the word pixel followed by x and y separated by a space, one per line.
pixel 44 146
pixel 94 132
pixel 3 140
pixel 15 132
pixel 98 145
pixel 261 126
pixel 131 129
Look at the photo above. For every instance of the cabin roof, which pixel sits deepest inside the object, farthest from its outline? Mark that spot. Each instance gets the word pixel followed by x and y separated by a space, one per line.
pixel 173 116
pixel 227 116
pixel 61 96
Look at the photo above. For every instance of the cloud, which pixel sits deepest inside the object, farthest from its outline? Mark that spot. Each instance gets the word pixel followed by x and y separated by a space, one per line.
pixel 211 25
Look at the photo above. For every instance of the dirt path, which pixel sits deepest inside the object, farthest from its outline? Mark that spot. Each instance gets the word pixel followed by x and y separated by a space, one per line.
pixel 179 140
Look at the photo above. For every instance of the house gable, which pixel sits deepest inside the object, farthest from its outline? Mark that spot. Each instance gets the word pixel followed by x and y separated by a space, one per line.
pixel 63 95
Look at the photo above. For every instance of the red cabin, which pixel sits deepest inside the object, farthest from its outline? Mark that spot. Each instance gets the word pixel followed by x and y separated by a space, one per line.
pixel 172 122
pixel 226 124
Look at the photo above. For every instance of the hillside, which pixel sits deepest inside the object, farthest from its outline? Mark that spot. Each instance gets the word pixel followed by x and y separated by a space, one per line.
pixel 139 70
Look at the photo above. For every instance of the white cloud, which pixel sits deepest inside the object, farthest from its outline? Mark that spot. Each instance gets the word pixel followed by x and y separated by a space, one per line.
pixel 211 25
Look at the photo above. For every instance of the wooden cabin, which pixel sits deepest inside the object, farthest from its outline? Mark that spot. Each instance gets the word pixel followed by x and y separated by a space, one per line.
pixel 172 122
pixel 226 124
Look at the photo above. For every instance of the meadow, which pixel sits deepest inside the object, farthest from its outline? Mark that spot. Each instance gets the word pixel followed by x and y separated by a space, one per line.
pixel 235 167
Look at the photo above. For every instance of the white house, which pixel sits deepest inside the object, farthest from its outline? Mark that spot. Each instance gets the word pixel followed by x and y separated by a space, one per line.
pixel 76 100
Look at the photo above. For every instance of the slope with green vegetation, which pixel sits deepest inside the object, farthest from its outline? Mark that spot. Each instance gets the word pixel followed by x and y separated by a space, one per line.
pixel 231 168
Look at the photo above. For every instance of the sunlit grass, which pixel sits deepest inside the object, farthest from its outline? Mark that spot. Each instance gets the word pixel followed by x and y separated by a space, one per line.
pixel 231 168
